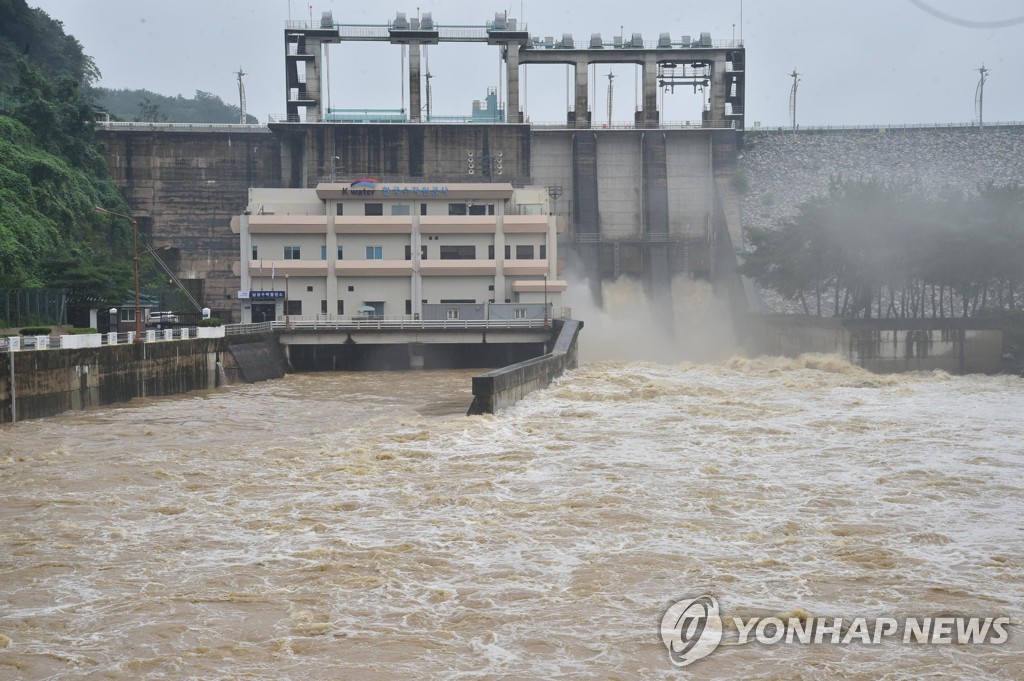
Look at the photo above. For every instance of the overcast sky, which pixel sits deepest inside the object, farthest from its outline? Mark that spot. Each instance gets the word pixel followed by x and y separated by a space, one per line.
pixel 861 61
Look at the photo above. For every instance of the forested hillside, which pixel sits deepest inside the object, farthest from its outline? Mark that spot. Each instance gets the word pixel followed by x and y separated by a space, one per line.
pixel 143 105
pixel 52 177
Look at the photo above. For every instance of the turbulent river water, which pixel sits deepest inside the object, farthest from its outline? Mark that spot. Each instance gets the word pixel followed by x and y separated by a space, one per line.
pixel 359 526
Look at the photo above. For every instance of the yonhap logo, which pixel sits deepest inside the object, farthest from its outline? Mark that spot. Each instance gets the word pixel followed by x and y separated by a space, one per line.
pixel 691 630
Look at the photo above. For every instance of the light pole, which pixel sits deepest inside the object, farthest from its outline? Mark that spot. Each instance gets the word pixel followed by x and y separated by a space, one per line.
pixel 135 250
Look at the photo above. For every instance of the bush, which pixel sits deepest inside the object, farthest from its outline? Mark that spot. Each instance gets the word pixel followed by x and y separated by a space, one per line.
pixel 212 321
pixel 76 331
pixel 36 331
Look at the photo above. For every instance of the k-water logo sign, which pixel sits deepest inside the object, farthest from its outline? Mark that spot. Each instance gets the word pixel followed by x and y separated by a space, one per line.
pixel 693 629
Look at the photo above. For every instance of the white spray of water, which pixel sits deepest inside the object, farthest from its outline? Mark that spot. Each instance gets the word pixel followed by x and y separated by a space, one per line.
pixel 693 325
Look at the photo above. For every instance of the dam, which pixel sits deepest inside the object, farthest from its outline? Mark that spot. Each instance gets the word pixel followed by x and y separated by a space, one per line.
pixel 649 199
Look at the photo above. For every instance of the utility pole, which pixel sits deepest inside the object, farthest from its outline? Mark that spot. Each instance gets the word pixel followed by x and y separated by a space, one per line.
pixel 792 98
pixel 979 96
pixel 611 85
pixel 135 248
pixel 241 96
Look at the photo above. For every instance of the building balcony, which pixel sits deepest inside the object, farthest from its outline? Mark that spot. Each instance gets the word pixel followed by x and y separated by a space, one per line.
pixel 458 224
pixel 287 224
pixel 385 224
pixel 294 268
pixel 373 268
pixel 525 267
pixel 457 268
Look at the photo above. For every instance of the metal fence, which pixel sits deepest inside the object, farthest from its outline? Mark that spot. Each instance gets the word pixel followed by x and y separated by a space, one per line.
pixel 33 307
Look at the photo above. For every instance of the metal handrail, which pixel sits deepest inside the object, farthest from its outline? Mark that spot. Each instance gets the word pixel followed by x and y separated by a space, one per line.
pixel 399 324
pixel 184 127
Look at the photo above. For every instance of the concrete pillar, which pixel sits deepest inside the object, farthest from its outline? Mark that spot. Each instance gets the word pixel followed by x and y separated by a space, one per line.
pixel 314 112
pixel 245 259
pixel 331 288
pixel 414 82
pixel 650 90
pixel 416 285
pixel 582 118
pixel 719 91
pixel 499 254
pixel 512 114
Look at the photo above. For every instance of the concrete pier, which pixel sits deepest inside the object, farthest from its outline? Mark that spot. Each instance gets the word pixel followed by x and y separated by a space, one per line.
pixel 504 387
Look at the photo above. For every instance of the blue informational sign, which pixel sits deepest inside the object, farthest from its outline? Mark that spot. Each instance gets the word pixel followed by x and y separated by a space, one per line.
pixel 261 295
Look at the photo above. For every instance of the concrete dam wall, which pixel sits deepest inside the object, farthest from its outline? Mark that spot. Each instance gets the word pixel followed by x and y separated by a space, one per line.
pixel 646 204
pixel 781 168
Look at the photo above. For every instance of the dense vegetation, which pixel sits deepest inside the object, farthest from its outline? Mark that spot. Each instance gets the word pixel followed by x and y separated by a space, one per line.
pixel 51 180
pixel 143 105
pixel 870 249
pixel 32 35
pixel 51 175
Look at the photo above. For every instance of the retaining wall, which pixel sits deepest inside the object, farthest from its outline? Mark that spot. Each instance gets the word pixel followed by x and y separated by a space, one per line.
pixel 49 382
pixel 504 387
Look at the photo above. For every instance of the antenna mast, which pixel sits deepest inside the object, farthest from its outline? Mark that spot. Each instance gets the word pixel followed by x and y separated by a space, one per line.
pixel 979 95
pixel 792 98
pixel 241 96
pixel 611 87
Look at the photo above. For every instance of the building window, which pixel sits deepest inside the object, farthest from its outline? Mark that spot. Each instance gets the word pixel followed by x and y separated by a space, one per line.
pixel 524 252
pixel 351 288
pixel 309 289
pixel 373 209
pixel 423 252
pixel 490 252
pixel 293 307
pixel 423 209
pixel 458 252
pixel 323 252
pixel 408 307
pixel 478 209
pixel 292 253
pixel 452 313
pixel 374 252
pixel 520 313
pixel 341 253
pixel 341 307
pixel 490 287
pixel 127 314
pixel 341 209
pixel 400 209
pixel 508 252
pixel 456 209
pixel 323 307
pixel 255 252
pixel 543 252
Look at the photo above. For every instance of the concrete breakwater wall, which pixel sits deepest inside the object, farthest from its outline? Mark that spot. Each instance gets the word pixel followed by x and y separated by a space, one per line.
pixel 504 387
pixel 254 358
pixel 49 382
pixel 959 346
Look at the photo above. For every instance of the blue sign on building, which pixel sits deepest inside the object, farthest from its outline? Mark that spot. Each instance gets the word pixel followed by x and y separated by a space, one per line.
pixel 260 295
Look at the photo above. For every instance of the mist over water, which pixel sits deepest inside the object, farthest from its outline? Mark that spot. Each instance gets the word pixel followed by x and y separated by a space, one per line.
pixel 691 323
pixel 358 526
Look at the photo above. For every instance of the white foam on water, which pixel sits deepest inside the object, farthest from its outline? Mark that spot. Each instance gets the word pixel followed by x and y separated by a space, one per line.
pixel 302 528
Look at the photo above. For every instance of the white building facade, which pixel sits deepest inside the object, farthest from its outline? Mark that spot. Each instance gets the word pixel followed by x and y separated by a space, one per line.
pixel 397 251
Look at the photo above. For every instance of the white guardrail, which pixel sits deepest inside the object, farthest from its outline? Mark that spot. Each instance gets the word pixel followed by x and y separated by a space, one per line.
pixel 96 340
pixel 342 324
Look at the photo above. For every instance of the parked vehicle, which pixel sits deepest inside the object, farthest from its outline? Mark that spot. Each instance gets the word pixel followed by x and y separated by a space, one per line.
pixel 157 319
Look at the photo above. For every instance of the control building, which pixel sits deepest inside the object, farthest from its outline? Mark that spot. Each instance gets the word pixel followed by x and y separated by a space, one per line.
pixel 398 251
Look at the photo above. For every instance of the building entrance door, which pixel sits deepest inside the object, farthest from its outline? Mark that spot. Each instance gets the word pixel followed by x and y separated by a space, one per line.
pixel 263 312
